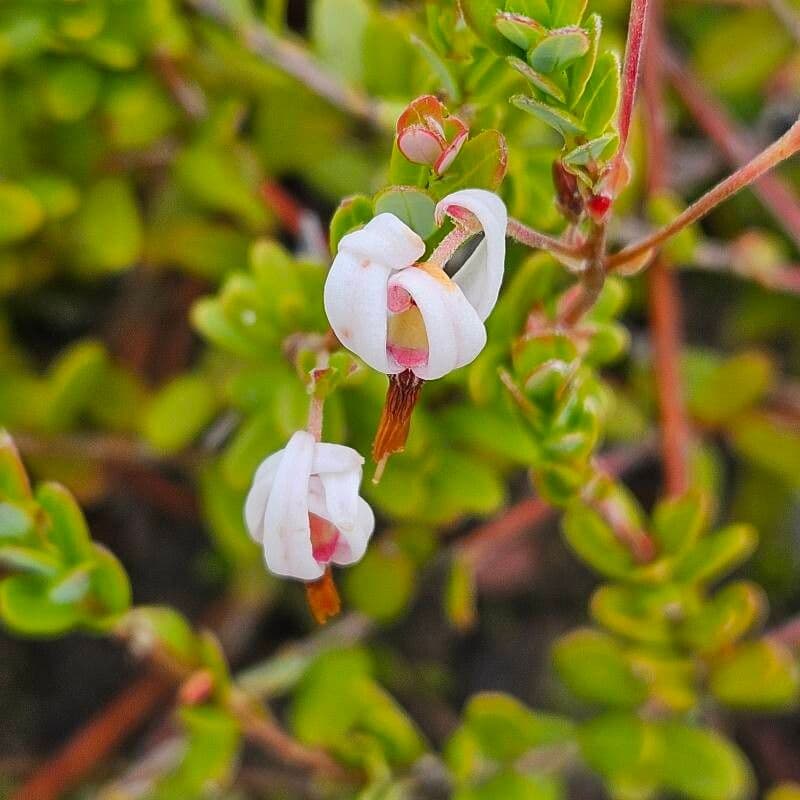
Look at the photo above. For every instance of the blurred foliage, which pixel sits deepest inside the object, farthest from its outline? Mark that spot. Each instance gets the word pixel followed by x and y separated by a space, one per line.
pixel 137 138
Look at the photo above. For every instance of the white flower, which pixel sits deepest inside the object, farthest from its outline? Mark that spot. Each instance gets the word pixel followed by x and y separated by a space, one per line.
pixel 397 314
pixel 305 510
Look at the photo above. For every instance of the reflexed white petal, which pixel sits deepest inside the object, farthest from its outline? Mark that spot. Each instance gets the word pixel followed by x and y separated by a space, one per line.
pixel 335 458
pixel 386 239
pixel 481 276
pixel 353 544
pixel 341 497
pixel 256 504
pixel 455 332
pixel 356 287
pixel 287 535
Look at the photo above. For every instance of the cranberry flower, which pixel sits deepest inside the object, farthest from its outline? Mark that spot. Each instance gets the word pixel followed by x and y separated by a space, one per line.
pixel 409 318
pixel 305 510
pixel 397 313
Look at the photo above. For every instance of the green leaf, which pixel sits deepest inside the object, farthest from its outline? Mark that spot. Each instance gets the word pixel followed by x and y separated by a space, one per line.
pixel 480 15
pixel 506 730
pixel 179 412
pixel 701 765
pixel 770 444
pixel 725 618
pixel 460 594
pixel 566 12
pixel 26 608
pixel 58 196
pixel 72 384
pixel 601 99
pixel 678 522
pixel 14 483
pixel 338 32
pixel 786 791
pixel 70 90
pixel 481 164
pixel 624 749
pixel 71 586
pixel 609 682
pixel 212 743
pixel 382 583
pixel 15 522
pixel 163 627
pixel 636 612
pixel 110 586
pixel 599 149
pixel 558 50
pixel 721 390
pixel 594 541
pixel 541 82
pixel 561 121
pixel 409 204
pixel 716 554
pixel 581 72
pixel 522 31
pixel 108 227
pixel 403 173
pixel 760 675
pixel 27 559
pixel 21 213
pixel 510 785
pixel 352 213
pixel 65 525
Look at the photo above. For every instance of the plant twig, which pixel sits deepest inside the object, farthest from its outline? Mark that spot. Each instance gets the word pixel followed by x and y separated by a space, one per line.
pixel 530 237
pixel 773 155
pixel 294 60
pixel 97 738
pixel 773 192
pixel 637 22
pixel 663 294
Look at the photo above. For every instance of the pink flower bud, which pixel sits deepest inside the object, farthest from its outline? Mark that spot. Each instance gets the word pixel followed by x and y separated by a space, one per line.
pixel 427 134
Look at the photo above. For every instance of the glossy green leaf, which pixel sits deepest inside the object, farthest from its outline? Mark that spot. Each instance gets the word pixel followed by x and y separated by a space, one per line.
pixel 505 729
pixel 561 121
pixel 522 31
pixel 716 554
pixel 29 559
pixel 599 149
pixel 382 583
pixel 26 608
pixel 558 50
pixel 580 72
pixel 677 522
pixel 609 682
pixel 725 618
pixel 537 79
pixel 598 106
pixel 352 213
pixel 21 213
pixel 14 483
pixel 460 594
pixel 65 525
pixel 481 164
pixel 756 675
pixel 566 12
pixel 108 229
pixel 179 412
pixel 409 204
pixel 702 765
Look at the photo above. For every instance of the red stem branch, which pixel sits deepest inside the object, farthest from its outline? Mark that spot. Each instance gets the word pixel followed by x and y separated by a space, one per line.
pixel 662 289
pixel 773 155
pixel 773 192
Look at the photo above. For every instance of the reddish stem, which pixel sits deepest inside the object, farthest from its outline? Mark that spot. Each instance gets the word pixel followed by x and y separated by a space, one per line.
pixel 637 23
pixel 663 292
pixel 97 739
pixel 773 192
pixel 773 155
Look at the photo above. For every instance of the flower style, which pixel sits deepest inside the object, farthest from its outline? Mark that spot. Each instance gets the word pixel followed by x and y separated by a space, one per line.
pixel 305 510
pixel 397 314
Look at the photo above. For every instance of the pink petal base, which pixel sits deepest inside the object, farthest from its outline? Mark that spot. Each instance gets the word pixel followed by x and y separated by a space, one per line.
pixel 408 357
pixel 324 539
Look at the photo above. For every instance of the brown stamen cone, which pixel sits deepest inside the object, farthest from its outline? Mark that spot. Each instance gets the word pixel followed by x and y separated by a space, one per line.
pixel 323 598
pixel 390 438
